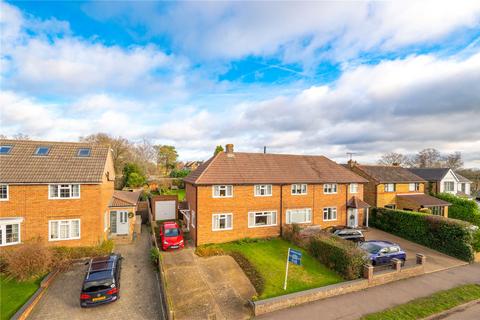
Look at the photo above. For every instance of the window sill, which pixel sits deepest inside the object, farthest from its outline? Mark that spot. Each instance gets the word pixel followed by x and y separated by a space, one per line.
pixel 66 239
pixel 10 244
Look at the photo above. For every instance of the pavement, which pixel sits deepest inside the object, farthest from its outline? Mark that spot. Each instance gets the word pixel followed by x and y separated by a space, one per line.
pixel 139 294
pixel 357 304
pixel 206 288
pixel 470 312
pixel 436 261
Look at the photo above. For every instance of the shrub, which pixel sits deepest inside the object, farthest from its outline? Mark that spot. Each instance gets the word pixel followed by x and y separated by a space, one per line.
pixel 154 255
pixel 28 261
pixel 461 208
pixel 63 256
pixel 340 255
pixel 450 236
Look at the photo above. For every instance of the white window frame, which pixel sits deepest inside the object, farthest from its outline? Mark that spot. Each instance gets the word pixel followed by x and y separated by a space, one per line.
pixel 222 186
pixel 267 188
pixel 252 215
pixel 415 186
pixel 70 187
pixel 193 217
pixel 387 189
pixel 220 216
pixel 299 189
pixel 330 211
pixel 330 188
pixel 69 229
pixel 353 188
pixel 8 192
pixel 445 183
pixel 3 227
pixel 308 214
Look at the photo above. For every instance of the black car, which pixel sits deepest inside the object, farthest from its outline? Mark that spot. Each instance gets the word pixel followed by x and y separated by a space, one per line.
pixel 102 281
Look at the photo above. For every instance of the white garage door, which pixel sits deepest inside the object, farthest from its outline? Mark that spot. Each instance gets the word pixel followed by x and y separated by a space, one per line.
pixel 165 210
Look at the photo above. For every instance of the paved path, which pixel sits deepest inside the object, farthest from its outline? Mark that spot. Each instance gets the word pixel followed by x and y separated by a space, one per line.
pixel 206 288
pixel 436 261
pixel 355 305
pixel 470 313
pixel 139 297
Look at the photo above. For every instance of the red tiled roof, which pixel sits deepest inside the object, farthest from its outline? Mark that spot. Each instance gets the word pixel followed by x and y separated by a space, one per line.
pixel 424 200
pixel 247 168
pixel 124 198
pixel 357 203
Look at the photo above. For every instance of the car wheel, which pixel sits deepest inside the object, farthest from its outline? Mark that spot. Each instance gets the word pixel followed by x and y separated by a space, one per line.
pixel 374 263
pixel 403 262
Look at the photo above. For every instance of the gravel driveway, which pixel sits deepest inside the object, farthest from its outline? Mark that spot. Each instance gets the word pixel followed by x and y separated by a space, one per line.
pixel 139 299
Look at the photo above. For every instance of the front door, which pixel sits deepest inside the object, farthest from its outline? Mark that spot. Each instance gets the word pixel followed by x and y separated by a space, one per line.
pixel 352 217
pixel 119 222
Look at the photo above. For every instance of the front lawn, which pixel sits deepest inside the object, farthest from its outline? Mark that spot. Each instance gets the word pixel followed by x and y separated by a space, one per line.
pixel 424 307
pixel 269 256
pixel 14 294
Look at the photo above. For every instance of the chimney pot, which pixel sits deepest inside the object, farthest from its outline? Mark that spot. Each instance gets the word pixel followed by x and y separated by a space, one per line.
pixel 229 148
pixel 351 163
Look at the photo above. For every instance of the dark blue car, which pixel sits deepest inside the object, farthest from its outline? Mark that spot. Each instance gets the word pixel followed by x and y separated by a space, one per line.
pixel 382 252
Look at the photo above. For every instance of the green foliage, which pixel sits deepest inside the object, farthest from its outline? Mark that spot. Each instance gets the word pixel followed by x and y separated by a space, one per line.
pixel 450 236
pixel 179 173
pixel 13 294
pixel 338 254
pixel 166 157
pixel 133 175
pixel 154 255
pixel 476 240
pixel 423 307
pixel 218 149
pixel 461 208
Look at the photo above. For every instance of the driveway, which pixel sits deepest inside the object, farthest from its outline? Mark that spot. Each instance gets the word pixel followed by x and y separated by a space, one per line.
pixel 436 261
pixel 206 288
pixel 140 296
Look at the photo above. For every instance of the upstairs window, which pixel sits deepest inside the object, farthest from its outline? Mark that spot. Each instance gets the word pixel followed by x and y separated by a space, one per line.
pixel 353 187
pixel 414 186
pixel 3 192
pixel 330 188
pixel 263 190
pixel 64 191
pixel 389 187
pixel 222 191
pixel 5 149
pixel 299 189
pixel 84 152
pixel 42 151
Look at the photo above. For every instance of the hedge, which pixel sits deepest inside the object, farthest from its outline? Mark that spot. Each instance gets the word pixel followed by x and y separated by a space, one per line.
pixel 450 236
pixel 461 208
pixel 338 254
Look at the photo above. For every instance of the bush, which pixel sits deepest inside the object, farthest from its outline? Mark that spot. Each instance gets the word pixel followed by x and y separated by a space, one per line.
pixel 450 236
pixel 28 261
pixel 461 208
pixel 154 255
pixel 340 255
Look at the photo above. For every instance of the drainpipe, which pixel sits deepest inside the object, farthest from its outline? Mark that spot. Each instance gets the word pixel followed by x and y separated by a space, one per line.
pixel 281 210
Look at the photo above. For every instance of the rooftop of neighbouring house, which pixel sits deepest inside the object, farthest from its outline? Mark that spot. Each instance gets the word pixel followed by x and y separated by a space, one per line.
pixel 436 174
pixel 122 198
pixel 231 167
pixel 386 174
pixel 27 161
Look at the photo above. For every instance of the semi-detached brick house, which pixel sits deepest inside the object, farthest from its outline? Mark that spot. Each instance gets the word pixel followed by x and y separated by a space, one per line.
pixel 236 195
pixel 60 193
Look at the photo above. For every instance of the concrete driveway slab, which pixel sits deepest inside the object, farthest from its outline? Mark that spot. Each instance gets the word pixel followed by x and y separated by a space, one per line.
pixel 139 293
pixel 436 261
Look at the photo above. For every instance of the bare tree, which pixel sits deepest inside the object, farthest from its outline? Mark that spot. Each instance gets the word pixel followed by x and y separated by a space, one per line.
pixel 392 158
pixel 121 148
pixel 20 136
pixel 454 160
pixel 145 156
pixel 427 158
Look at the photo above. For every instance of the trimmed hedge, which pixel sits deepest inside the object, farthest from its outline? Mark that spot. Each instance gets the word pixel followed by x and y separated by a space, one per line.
pixel 450 236
pixel 340 255
pixel 461 208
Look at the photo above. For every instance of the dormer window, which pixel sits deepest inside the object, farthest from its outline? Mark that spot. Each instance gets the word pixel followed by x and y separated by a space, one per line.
pixel 42 151
pixel 84 152
pixel 5 149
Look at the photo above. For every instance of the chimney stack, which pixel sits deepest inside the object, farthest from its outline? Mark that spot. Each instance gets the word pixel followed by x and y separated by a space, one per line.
pixel 265 149
pixel 229 150
pixel 351 163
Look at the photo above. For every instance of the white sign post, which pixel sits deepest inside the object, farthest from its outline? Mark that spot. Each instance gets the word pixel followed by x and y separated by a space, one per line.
pixel 286 271
pixel 295 257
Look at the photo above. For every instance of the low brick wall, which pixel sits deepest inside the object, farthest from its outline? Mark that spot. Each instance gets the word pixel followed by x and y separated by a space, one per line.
pixel 297 298
pixel 27 308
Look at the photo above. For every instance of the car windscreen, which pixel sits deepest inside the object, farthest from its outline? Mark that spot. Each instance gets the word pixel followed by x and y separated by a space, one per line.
pixel 370 247
pixel 92 286
pixel 174 232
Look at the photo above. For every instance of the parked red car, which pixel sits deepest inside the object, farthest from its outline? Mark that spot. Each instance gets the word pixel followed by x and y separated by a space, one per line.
pixel 171 236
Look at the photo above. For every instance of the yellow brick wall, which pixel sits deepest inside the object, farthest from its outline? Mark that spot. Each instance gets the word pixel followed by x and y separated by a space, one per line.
pixel 384 198
pixel 244 201
pixel 32 204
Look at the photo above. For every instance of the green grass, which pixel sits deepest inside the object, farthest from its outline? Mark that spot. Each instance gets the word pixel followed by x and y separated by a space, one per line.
pixel 14 294
pixel 180 193
pixel 269 257
pixel 424 307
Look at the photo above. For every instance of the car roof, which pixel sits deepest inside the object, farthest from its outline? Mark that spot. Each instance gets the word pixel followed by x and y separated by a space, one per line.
pixel 382 243
pixel 169 225
pixel 101 267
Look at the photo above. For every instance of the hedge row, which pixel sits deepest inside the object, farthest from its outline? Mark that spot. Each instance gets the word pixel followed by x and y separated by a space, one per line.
pixel 450 236
pixel 337 254
pixel 461 208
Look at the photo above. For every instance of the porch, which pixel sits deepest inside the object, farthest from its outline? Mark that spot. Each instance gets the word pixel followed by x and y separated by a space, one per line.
pixel 121 217
pixel 422 202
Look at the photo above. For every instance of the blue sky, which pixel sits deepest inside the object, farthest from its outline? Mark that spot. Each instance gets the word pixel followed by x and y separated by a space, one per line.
pixel 300 77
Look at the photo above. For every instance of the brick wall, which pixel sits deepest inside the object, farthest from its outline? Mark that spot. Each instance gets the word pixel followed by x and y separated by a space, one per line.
pixel 32 204
pixel 191 197
pixel 384 198
pixel 244 201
